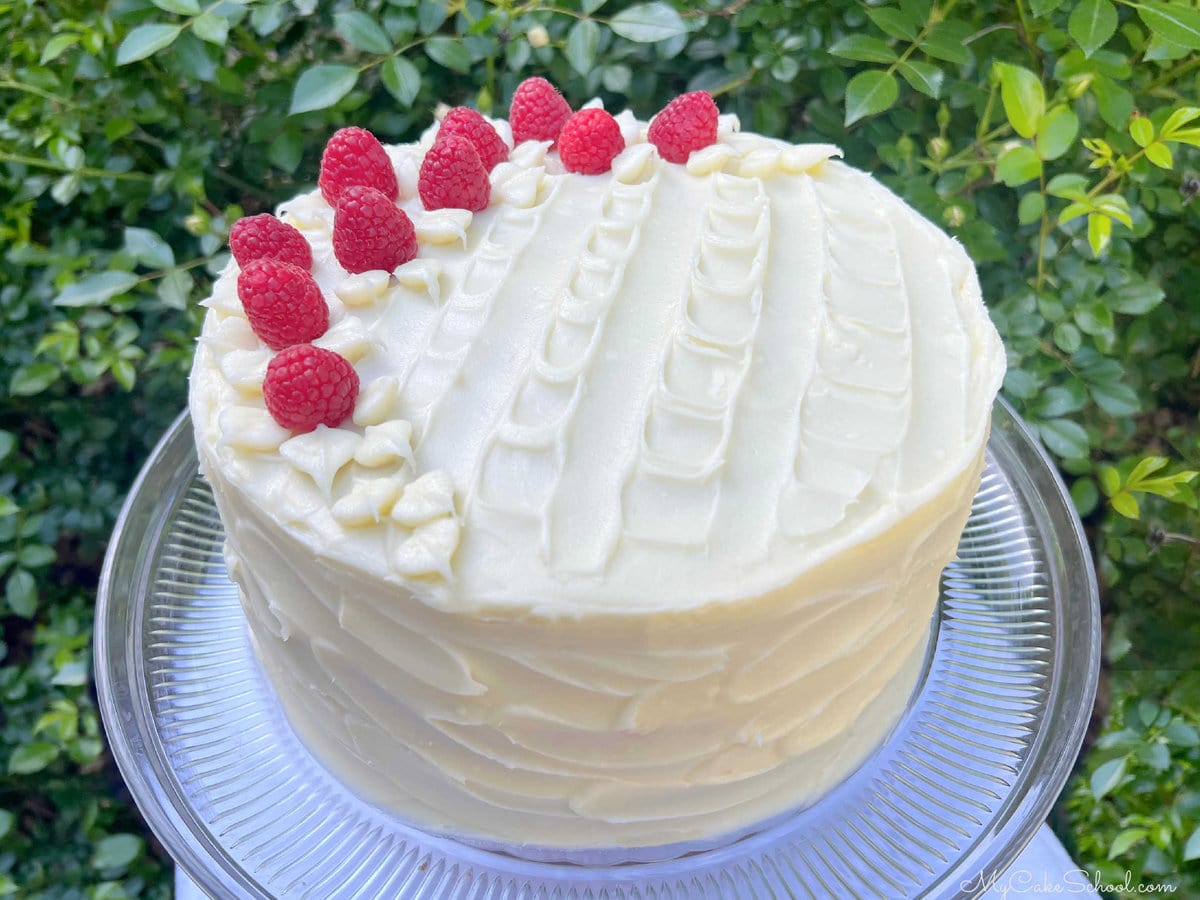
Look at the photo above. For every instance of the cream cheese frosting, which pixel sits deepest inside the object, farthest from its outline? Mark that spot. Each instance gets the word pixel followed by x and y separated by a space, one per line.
pixel 635 534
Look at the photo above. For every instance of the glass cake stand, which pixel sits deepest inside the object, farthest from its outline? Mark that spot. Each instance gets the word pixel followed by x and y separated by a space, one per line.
pixel 949 800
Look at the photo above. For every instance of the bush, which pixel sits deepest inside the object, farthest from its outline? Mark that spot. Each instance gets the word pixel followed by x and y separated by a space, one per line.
pixel 1054 139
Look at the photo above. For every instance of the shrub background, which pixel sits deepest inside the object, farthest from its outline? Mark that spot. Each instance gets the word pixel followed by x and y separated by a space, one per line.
pixel 1056 139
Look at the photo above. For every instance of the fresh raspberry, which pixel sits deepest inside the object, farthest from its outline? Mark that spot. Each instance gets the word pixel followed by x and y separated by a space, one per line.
pixel 371 232
pixel 687 123
pixel 265 237
pixel 538 111
pixel 475 128
pixel 589 142
pixel 307 386
pixel 453 175
pixel 354 156
pixel 282 302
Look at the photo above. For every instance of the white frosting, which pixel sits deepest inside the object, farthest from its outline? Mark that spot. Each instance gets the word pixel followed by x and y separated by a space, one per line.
pixel 634 535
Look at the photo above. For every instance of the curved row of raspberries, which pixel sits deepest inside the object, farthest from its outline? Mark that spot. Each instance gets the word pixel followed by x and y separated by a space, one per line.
pixel 305 386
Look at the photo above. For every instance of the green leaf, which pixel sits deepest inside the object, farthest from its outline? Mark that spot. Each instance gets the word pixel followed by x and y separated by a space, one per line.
pixel 1187 136
pixel 182 7
pixel 36 556
pixel 1126 505
pixel 1107 776
pixel 1178 118
pixel 212 28
pixel 96 289
pixel 32 757
pixel 1178 23
pixel 1092 23
pixel 583 41
pixel 945 42
pixel 1141 129
pixel 1085 496
pixel 1181 734
pixel 7 820
pixel 1110 480
pixel 285 152
pixel 401 78
pixel 1093 318
pixel 864 48
pixel 322 86
pixel 148 248
pixel 1067 337
pixel 870 93
pixel 21 593
pixel 1056 132
pixel 1099 232
pixel 1041 8
pixel 1191 848
pixel 1023 97
pixel 1031 207
pixel 449 52
pixel 57 46
pixel 1065 438
pixel 1159 154
pixel 1115 206
pixel 146 40
pixel 8 443
pixel 1118 400
pixel 1069 186
pixel 362 31
pixel 924 77
pixel 431 14
pixel 895 22
pixel 590 6
pixel 1145 468
pixel 1018 165
pixel 648 23
pixel 1135 298
pixel 116 851
pixel 1125 840
pixel 32 378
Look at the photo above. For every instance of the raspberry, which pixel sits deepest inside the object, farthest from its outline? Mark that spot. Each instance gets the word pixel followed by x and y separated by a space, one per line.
pixel 589 142
pixel 538 111
pixel 307 386
pixel 282 302
pixel 371 232
pixel 265 237
pixel 354 156
pixel 687 123
pixel 453 175
pixel 479 131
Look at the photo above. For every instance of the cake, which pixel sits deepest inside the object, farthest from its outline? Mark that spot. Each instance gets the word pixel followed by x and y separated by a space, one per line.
pixel 627 525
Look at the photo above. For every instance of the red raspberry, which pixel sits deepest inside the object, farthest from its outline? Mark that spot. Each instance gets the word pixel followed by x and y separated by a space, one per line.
pixel 307 386
pixel 687 123
pixel 538 111
pixel 453 175
pixel 479 131
pixel 282 302
pixel 265 237
pixel 355 156
pixel 371 232
pixel 589 142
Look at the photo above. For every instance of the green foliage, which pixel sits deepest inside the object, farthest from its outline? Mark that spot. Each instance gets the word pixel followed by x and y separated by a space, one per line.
pixel 1137 801
pixel 1057 141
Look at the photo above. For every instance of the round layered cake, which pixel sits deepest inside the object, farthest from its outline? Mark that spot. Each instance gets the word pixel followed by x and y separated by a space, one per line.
pixel 632 532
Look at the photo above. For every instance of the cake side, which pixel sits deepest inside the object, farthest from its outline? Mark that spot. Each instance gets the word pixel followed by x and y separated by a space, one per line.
pixel 599 730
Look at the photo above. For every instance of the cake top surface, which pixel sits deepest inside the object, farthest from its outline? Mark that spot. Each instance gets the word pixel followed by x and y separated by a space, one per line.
pixel 652 388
